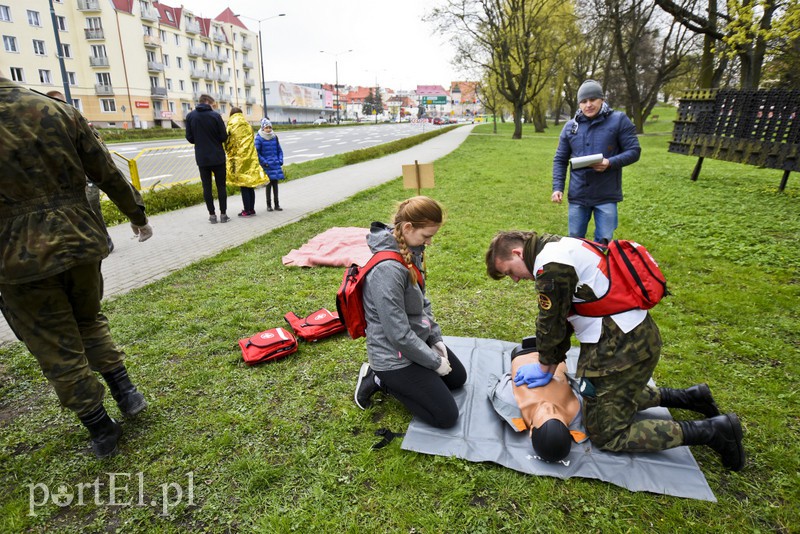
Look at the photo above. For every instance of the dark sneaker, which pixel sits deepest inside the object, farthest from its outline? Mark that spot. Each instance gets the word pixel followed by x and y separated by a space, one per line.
pixel 366 386
pixel 269 208
pixel 278 208
pixel 244 213
pixel 212 219
pixel 223 218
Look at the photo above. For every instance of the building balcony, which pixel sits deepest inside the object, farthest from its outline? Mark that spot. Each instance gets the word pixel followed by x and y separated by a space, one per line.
pixel 192 27
pixel 246 45
pixel 158 92
pixel 250 100
pixel 249 81
pixel 222 57
pixel 197 73
pixel 210 75
pixel 224 97
pixel 224 78
pixel 219 37
pixel 194 51
pixel 247 64
pixel 155 66
pixel 88 5
pixel 98 61
pixel 103 90
pixel 152 41
pixel 196 95
pixel 94 34
pixel 149 15
pixel 209 55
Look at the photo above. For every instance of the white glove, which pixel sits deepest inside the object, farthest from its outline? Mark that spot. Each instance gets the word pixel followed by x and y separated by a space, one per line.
pixel 444 368
pixel 144 232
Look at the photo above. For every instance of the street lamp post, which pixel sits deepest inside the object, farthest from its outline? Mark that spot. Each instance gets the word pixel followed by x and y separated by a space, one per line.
pixel 261 58
pixel 336 62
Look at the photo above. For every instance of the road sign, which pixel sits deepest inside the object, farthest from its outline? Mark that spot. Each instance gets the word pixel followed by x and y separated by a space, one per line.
pixel 434 100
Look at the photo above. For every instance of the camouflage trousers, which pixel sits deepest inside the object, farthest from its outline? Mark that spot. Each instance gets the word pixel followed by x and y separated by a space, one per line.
pixel 611 414
pixel 59 320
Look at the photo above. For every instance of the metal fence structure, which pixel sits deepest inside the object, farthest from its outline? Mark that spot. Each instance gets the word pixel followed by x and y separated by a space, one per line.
pixel 164 165
pixel 752 127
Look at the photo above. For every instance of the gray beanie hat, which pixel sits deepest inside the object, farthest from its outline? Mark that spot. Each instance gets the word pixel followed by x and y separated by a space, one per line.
pixel 590 89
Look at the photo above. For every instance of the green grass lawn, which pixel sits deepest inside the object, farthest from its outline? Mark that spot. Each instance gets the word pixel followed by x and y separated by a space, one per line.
pixel 283 448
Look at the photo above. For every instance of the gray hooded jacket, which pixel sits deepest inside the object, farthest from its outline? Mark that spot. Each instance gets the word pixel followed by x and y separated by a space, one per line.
pixel 400 324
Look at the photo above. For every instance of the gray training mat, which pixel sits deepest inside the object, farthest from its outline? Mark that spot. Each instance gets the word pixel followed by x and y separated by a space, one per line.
pixel 481 435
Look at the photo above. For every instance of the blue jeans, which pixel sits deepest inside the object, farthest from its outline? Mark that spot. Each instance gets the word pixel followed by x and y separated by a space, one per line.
pixel 605 220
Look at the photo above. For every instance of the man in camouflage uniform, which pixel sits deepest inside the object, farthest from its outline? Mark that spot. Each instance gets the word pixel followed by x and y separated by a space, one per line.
pixel 618 352
pixel 53 243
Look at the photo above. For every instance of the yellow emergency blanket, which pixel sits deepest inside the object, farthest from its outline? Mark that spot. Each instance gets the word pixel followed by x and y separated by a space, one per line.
pixel 242 167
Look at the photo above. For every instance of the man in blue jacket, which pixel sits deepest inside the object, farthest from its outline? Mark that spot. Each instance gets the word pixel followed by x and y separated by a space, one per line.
pixel 206 131
pixel 595 190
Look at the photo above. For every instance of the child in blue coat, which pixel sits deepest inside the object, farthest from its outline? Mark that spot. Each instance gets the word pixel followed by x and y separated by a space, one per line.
pixel 270 156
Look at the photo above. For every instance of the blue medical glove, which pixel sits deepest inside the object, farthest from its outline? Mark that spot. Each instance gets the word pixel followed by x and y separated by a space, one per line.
pixel 532 375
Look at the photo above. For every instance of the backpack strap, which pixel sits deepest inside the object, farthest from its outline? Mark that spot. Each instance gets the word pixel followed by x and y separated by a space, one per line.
pixel 384 255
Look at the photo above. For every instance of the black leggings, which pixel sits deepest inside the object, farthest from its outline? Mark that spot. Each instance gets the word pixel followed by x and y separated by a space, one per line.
pixel 219 179
pixel 426 394
pixel 272 186
pixel 249 199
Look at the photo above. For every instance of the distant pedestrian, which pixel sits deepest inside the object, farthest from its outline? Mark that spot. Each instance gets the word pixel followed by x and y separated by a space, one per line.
pixel 206 131
pixel 270 155
pixel 242 164
pixel 53 245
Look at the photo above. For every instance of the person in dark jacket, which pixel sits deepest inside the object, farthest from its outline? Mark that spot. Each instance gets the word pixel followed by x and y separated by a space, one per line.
pixel 51 285
pixel 596 189
pixel 407 357
pixel 618 352
pixel 270 156
pixel 206 131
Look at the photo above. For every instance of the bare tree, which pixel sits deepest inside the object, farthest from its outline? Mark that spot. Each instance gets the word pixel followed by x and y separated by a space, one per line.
pixel 516 41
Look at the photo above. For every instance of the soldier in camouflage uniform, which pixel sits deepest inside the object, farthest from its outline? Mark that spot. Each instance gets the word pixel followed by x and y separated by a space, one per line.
pixel 53 243
pixel 618 352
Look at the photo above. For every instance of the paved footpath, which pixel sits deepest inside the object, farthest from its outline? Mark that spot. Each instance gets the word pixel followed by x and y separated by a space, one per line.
pixel 185 236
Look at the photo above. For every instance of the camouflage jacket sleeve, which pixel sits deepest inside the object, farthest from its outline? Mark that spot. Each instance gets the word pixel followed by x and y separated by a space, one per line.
pixel 555 284
pixel 100 169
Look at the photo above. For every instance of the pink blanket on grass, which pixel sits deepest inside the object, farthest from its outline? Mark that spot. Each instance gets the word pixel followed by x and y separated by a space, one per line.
pixel 335 247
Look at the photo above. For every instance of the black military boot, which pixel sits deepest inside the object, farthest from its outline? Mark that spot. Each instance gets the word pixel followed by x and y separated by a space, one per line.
pixel 129 400
pixel 696 398
pixel 104 431
pixel 722 433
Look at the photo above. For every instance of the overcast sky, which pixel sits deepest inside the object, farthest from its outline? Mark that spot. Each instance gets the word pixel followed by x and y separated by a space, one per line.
pixel 390 42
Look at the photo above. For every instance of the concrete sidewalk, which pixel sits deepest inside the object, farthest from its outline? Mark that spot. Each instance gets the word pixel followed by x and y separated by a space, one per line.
pixel 185 236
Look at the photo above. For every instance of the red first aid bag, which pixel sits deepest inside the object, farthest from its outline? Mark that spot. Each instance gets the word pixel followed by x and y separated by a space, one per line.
pixel 268 345
pixel 349 303
pixel 635 282
pixel 316 325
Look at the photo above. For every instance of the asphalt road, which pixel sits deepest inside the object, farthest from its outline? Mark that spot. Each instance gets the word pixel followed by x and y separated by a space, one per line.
pixel 172 160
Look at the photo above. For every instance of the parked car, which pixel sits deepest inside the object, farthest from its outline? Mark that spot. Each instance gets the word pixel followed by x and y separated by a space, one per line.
pixel 439 120
pixel 320 121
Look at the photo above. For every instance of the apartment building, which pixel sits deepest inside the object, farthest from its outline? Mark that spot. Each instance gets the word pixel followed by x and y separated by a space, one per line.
pixel 131 63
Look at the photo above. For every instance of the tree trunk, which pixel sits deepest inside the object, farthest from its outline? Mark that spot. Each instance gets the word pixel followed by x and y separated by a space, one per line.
pixel 517 121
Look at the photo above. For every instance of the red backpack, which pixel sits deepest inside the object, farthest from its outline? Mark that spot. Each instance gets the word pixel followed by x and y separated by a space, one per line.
pixel 635 281
pixel 267 346
pixel 349 298
pixel 316 325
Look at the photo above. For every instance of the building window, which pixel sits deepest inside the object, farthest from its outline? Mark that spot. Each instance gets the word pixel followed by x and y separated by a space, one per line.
pixel 108 105
pixel 249 110
pixel 99 51
pixel 165 58
pixel 66 51
pixel 33 18
pixel 103 78
pixel 169 84
pixel 147 30
pixel 10 43
pixel 163 35
pixel 179 60
pixel 195 87
pixel 186 107
pixel 78 104
pixel 169 15
pixel 5 13
pixel 17 74
pixel 177 39
pixel 61 22
pixel 38 47
pixel 94 23
pixel 45 77
pixel 181 85
pixel 172 106
pixel 71 78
